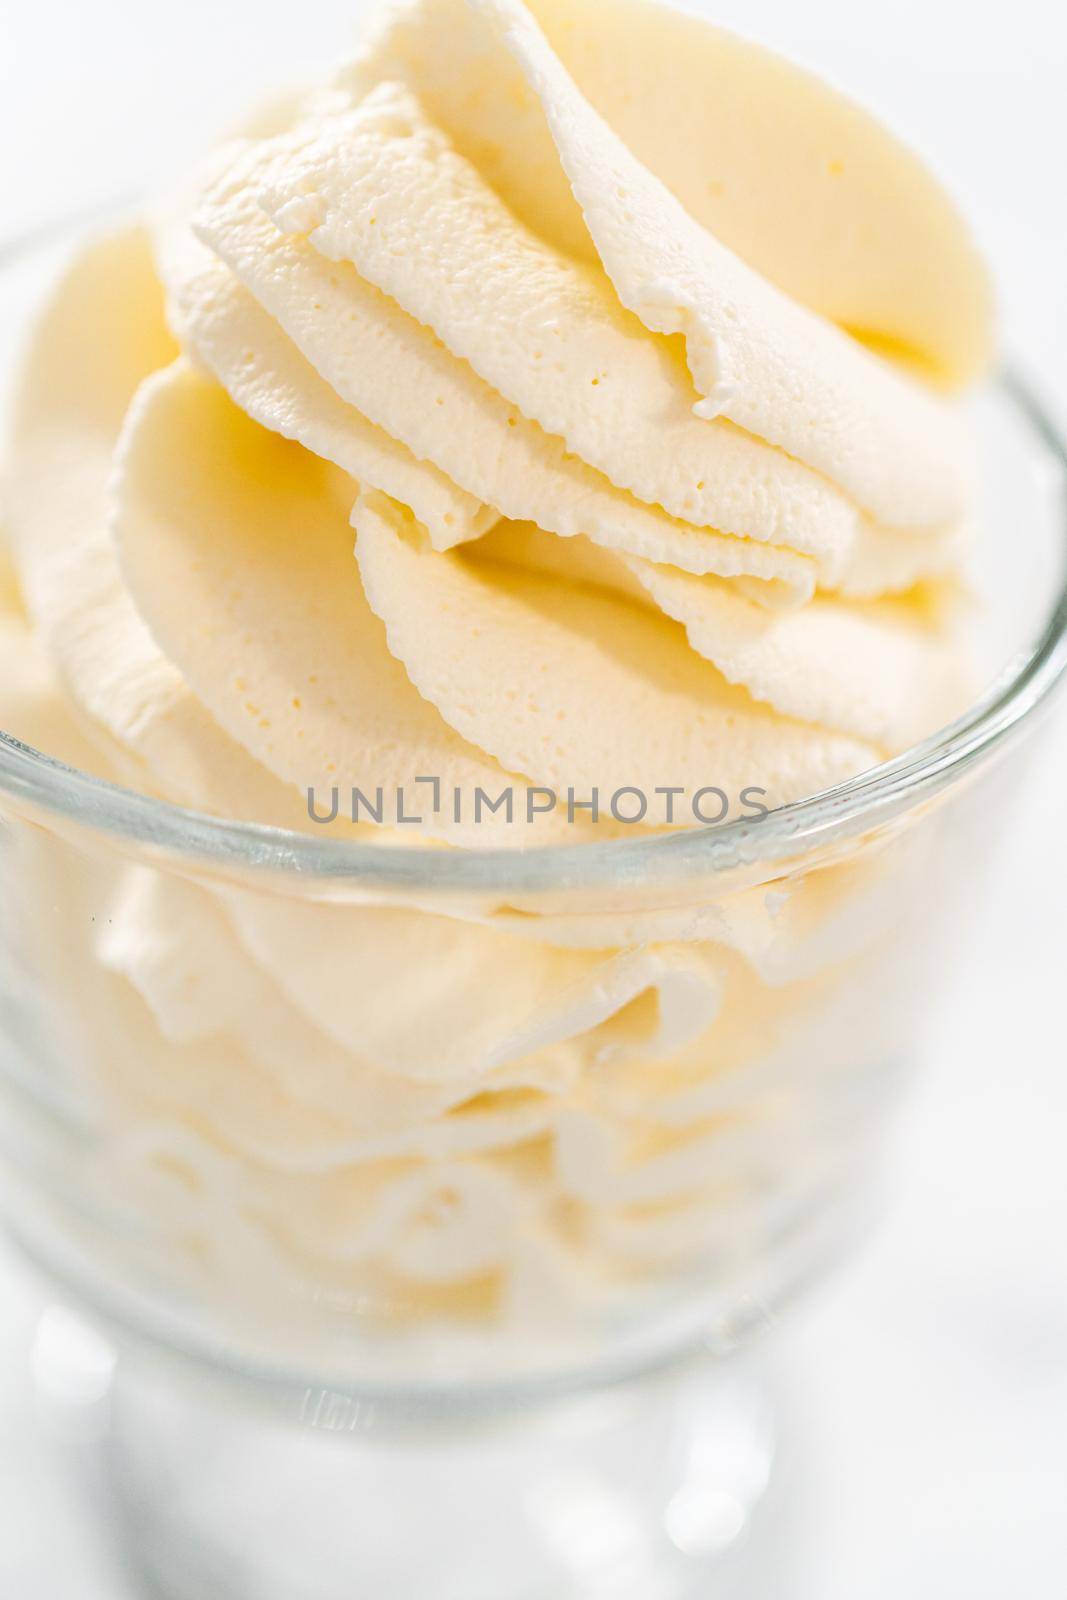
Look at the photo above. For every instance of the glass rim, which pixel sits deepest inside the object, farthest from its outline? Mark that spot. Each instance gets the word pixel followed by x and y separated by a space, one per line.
pixel 879 793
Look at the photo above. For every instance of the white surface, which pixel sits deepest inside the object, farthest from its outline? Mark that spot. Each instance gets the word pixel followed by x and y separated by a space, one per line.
pixel 929 1380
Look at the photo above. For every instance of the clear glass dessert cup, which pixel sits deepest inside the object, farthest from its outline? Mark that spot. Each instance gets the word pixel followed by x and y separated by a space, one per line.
pixel 492 1350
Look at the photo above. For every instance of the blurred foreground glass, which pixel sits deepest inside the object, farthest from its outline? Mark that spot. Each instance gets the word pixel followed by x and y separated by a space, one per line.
pixel 348 1330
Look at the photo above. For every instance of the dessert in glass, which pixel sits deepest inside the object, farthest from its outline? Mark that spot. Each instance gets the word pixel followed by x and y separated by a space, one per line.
pixel 500 738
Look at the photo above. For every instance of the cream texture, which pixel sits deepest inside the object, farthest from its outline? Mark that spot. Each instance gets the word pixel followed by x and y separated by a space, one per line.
pixel 559 397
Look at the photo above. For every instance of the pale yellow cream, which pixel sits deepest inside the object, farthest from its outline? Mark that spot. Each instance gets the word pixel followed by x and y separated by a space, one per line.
pixel 560 398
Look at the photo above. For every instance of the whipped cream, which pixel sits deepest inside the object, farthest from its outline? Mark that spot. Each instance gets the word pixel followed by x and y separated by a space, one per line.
pixel 560 397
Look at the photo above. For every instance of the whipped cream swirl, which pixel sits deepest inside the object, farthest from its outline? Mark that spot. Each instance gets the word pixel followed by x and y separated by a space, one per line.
pixel 561 397
pixel 625 511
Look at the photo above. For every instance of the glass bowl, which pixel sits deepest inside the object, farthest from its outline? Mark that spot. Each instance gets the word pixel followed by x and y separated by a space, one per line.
pixel 357 1292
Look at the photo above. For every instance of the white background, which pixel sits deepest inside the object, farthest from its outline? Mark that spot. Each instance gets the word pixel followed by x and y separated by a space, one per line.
pixel 929 1381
